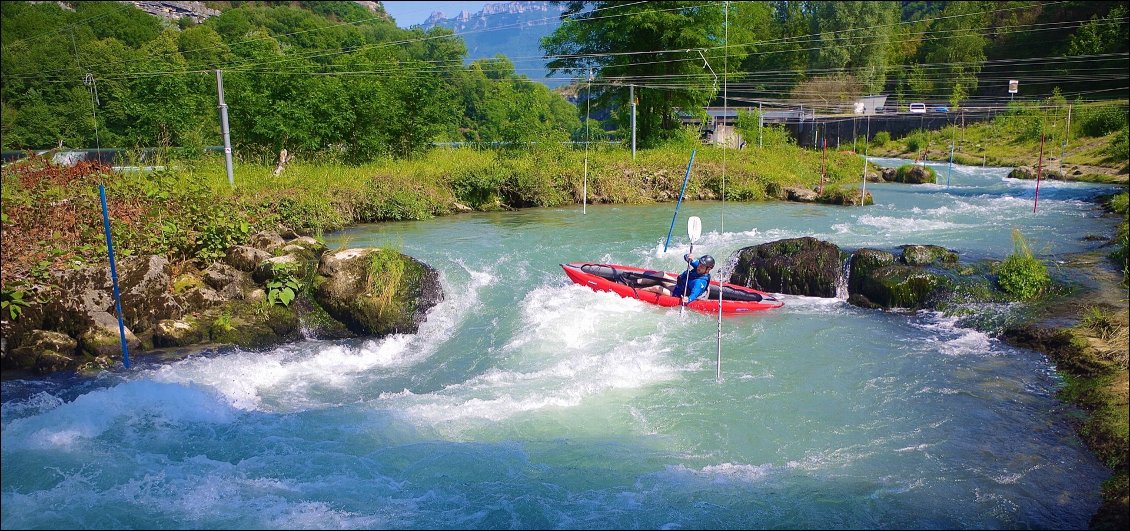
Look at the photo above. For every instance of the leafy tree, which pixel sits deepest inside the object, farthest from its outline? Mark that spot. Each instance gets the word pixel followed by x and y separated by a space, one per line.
pixel 503 107
pixel 118 20
pixel 428 92
pixel 651 46
pixel 854 37
pixel 368 101
pixel 956 43
pixel 1101 35
pixel 203 48
pixel 919 81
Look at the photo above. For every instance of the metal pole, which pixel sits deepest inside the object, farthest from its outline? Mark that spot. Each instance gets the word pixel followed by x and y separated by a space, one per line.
pixel 224 125
pixel 722 215
pixel 760 121
pixel 949 171
pixel 588 140
pixel 1063 146
pixel 114 275
pixel 1039 172
pixel 866 141
pixel 632 97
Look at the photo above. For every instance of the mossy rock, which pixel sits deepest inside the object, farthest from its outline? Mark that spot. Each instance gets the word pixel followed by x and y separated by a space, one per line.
pixel 254 325
pixel 925 255
pixel 796 266
pixel 845 197
pixel 376 291
pixel 915 174
pixel 900 286
pixel 863 263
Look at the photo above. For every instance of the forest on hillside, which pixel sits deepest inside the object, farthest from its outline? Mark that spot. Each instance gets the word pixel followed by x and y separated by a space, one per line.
pixel 337 81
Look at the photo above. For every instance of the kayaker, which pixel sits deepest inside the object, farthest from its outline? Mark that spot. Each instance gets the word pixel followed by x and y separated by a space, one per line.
pixel 699 280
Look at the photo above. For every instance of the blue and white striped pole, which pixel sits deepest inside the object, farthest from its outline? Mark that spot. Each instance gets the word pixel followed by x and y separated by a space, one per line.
pixel 114 274
pixel 680 202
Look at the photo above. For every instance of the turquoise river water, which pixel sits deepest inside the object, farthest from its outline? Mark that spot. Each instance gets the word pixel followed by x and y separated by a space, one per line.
pixel 527 402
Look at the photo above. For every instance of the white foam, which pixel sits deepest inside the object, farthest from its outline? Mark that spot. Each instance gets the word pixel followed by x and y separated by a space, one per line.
pixel 572 344
pixel 951 340
pixel 570 379
pixel 91 414
pixel 908 224
pixel 724 472
pixel 294 377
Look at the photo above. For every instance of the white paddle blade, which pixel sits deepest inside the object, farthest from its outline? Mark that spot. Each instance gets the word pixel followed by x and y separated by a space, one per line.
pixel 694 228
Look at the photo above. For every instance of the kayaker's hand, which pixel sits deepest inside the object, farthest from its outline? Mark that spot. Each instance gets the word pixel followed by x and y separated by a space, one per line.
pixel 687 258
pixel 685 301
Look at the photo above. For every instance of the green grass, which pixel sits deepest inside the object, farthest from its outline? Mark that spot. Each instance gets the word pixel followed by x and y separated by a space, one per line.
pixel 1014 139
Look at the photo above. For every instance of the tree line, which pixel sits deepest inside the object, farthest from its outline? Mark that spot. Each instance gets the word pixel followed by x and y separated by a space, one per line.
pixel 825 55
pixel 325 78
pixel 334 79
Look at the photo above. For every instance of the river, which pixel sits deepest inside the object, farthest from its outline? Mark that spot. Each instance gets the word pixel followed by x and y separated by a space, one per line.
pixel 525 401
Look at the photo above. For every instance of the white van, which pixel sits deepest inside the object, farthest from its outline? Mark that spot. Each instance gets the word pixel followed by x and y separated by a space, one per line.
pixel 918 107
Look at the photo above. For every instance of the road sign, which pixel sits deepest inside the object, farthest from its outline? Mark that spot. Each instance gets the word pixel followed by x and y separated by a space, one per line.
pixel 1013 86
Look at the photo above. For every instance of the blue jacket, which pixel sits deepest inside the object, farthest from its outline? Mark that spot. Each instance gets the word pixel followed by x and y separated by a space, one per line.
pixel 698 283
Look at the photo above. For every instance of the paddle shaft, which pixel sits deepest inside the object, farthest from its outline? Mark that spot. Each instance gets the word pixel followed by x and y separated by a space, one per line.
pixel 694 230
pixel 679 202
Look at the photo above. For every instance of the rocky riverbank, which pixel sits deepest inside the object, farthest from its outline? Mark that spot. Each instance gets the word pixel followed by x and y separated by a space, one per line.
pixel 272 291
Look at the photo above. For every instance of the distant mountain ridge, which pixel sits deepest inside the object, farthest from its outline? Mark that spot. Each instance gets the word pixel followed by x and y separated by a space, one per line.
pixel 513 29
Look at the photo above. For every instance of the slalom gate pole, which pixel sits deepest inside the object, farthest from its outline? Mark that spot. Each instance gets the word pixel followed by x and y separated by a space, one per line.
pixel 680 202
pixel 1039 172
pixel 114 274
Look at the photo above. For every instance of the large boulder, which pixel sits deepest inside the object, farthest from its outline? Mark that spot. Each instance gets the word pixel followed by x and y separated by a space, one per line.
pixel 245 258
pixel 146 298
pixel 180 332
pixel 267 240
pixel 1027 172
pixel 800 195
pixel 852 196
pixel 271 268
pixel 915 174
pixel 45 351
pixel 797 266
pixel 877 280
pixel 104 338
pixel 254 325
pixel 376 291
pixel 927 255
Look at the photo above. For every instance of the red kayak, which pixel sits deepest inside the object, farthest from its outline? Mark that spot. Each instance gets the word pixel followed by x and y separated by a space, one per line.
pixel 626 281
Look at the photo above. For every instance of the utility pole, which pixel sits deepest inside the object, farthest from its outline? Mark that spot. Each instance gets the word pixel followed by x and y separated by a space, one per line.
pixel 224 125
pixel 632 97
pixel 760 121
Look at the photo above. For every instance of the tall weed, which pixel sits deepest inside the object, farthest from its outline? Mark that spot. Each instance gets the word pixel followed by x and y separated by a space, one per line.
pixel 1022 275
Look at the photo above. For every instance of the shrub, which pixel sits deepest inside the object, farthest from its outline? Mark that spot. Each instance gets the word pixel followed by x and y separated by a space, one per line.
pixel 880 139
pixel 1022 275
pixel 479 186
pixel 1119 148
pixel 916 141
pixel 1121 239
pixel 1099 120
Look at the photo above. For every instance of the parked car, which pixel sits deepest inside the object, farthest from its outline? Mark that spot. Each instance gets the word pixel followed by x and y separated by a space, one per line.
pixel 917 107
pixel 941 108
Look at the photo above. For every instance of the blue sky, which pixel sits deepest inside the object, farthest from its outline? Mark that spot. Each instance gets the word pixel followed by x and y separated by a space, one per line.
pixel 410 13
